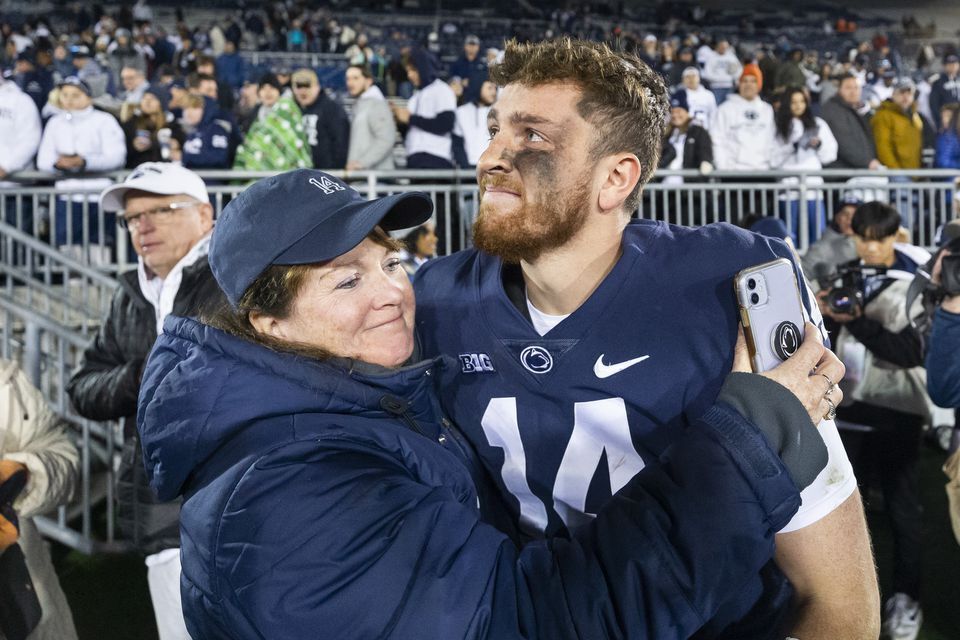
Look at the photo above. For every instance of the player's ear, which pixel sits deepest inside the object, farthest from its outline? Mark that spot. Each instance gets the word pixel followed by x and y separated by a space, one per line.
pixel 622 175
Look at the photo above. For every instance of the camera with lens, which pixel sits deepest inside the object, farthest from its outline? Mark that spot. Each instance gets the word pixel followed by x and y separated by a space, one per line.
pixel 930 294
pixel 950 270
pixel 845 287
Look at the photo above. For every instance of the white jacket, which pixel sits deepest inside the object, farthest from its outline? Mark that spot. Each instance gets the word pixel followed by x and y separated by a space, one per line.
pixel 19 130
pixel 722 71
pixel 429 102
pixel 703 106
pixel 471 125
pixel 794 154
pixel 743 133
pixel 30 433
pixel 873 380
pixel 94 135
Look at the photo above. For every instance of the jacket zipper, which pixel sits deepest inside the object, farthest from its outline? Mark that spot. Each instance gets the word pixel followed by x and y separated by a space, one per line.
pixel 398 407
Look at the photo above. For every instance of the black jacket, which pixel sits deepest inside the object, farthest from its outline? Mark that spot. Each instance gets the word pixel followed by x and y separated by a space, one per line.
pixel 697 148
pixel 153 153
pixel 328 132
pixel 944 91
pixel 855 145
pixel 107 385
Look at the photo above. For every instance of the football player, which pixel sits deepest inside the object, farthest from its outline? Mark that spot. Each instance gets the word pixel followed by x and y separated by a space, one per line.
pixel 587 342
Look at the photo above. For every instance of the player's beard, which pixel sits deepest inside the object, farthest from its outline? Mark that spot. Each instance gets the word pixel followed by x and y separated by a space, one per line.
pixel 531 229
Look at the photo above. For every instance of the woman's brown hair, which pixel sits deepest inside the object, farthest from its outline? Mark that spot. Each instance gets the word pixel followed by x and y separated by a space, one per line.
pixel 274 293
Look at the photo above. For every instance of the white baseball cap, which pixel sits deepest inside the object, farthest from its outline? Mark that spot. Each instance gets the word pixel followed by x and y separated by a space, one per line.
pixel 160 178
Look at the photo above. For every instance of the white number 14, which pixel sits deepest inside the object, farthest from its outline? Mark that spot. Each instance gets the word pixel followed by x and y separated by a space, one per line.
pixel 598 426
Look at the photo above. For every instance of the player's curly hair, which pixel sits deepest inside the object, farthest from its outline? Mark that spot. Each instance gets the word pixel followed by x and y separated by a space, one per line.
pixel 623 98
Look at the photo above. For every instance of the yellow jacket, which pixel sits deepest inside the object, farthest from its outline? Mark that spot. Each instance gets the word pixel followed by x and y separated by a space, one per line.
pixel 899 136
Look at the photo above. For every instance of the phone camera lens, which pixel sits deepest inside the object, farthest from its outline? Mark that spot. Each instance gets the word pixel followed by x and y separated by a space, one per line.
pixel 754 298
pixel 751 284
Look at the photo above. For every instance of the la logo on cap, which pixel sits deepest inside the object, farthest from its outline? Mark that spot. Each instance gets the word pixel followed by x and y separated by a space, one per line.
pixel 326 185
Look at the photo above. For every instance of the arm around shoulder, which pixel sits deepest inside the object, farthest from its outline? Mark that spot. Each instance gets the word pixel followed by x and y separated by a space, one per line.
pixel 642 569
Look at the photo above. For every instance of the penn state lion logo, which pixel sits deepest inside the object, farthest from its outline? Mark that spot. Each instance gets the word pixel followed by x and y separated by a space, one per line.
pixel 786 339
pixel 536 359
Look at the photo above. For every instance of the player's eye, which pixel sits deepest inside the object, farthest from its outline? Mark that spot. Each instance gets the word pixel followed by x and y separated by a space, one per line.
pixel 533 136
pixel 392 265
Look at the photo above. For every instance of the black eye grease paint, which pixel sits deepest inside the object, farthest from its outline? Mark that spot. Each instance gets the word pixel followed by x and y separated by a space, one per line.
pixel 543 164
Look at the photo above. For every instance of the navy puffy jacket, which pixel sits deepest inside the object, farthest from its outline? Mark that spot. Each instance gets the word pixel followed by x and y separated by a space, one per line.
pixel 943 365
pixel 209 146
pixel 328 500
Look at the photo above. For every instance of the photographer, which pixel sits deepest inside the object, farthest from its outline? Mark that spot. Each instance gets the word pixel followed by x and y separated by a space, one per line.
pixel 943 381
pixel 887 386
pixel 943 365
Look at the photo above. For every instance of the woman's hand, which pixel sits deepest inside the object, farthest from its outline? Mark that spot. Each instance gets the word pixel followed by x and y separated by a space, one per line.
pixel 8 532
pixel 810 374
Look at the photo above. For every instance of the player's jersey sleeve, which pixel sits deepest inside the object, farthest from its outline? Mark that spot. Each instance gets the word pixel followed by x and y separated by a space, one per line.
pixel 837 481
pixel 831 488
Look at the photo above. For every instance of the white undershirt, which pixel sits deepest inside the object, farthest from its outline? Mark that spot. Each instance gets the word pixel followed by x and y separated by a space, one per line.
pixel 543 322
pixel 161 292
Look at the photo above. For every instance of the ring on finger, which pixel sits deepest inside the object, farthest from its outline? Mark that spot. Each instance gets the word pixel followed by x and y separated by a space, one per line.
pixel 831 384
pixel 832 411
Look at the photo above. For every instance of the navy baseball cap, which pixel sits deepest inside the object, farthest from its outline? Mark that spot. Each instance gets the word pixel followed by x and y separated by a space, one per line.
pixel 300 217
pixel 679 100
pixel 74 81
pixel 851 199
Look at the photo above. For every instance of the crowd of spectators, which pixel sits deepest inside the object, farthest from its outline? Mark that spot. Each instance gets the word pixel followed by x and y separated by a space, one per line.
pixel 142 75
pixel 113 90
pixel 116 91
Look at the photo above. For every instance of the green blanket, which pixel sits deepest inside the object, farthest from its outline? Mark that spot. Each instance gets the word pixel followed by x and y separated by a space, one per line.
pixel 276 142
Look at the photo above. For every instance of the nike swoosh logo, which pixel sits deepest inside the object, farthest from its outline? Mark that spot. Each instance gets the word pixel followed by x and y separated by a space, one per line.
pixel 606 370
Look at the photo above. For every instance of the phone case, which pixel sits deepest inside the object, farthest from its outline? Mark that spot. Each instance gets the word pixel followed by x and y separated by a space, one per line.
pixel 771 312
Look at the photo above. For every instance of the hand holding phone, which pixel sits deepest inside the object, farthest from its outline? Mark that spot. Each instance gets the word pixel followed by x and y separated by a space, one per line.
pixel 771 312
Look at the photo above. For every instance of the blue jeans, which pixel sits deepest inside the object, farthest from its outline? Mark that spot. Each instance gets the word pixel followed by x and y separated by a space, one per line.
pixel 721 95
pixel 816 219
pixel 19 207
pixel 902 199
pixel 76 222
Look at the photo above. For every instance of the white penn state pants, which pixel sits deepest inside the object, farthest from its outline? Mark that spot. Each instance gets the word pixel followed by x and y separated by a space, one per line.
pixel 163 577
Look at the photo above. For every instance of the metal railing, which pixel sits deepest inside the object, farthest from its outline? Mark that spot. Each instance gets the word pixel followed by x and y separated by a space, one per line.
pixel 53 284
pixel 803 200
pixel 51 306
pixel 53 298
pixel 48 352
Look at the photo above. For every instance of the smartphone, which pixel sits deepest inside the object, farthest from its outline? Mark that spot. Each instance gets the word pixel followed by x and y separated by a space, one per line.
pixel 771 312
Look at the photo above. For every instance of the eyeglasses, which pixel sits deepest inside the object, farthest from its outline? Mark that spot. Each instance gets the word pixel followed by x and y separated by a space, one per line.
pixel 158 215
pixel 303 85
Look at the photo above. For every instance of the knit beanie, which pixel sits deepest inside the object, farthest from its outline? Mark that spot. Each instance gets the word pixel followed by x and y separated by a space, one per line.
pixel 753 70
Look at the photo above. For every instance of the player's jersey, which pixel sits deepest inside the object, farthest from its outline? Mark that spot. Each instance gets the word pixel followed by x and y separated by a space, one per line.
pixel 564 420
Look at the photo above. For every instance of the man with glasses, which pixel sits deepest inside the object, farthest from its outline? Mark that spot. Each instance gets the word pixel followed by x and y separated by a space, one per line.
pixel 167 211
pixel 134 84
